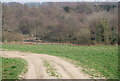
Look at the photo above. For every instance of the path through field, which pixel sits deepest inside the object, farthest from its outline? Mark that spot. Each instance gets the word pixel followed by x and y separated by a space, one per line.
pixel 37 70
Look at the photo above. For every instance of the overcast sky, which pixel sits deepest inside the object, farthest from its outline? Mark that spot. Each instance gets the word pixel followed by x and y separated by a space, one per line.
pixel 57 0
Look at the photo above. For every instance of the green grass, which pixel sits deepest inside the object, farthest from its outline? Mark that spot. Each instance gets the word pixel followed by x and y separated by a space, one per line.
pixel 96 60
pixel 0 64
pixel 51 69
pixel 13 67
pixel 0 69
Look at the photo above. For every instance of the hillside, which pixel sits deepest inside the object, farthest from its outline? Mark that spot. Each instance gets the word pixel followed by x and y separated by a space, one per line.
pixel 78 23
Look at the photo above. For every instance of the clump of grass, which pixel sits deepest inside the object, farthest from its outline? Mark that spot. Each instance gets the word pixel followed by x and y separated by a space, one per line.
pixel 51 69
pixel 12 68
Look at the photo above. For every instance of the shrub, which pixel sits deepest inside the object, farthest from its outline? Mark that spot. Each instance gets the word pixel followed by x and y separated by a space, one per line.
pixel 12 36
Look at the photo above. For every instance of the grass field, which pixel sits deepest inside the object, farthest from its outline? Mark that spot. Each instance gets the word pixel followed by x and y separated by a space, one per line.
pixel 0 69
pixel 13 67
pixel 96 60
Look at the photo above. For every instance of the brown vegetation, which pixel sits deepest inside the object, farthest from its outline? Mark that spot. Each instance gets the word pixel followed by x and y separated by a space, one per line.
pixel 77 23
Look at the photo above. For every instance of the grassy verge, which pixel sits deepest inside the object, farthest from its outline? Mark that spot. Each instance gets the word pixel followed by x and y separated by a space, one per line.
pixel 51 69
pixel 0 63
pixel 0 69
pixel 102 60
pixel 12 68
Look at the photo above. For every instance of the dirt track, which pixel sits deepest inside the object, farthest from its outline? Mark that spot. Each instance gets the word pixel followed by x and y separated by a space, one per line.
pixel 37 70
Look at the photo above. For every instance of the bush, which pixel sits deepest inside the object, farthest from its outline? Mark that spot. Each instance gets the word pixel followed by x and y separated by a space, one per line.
pixel 12 36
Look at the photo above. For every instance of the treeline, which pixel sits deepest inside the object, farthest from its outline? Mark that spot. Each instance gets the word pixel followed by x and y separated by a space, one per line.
pixel 77 23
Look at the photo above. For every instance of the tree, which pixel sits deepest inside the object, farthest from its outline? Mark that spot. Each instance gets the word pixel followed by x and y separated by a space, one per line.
pixel 67 9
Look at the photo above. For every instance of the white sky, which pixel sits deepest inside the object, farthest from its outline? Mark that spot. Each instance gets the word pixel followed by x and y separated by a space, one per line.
pixel 58 0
